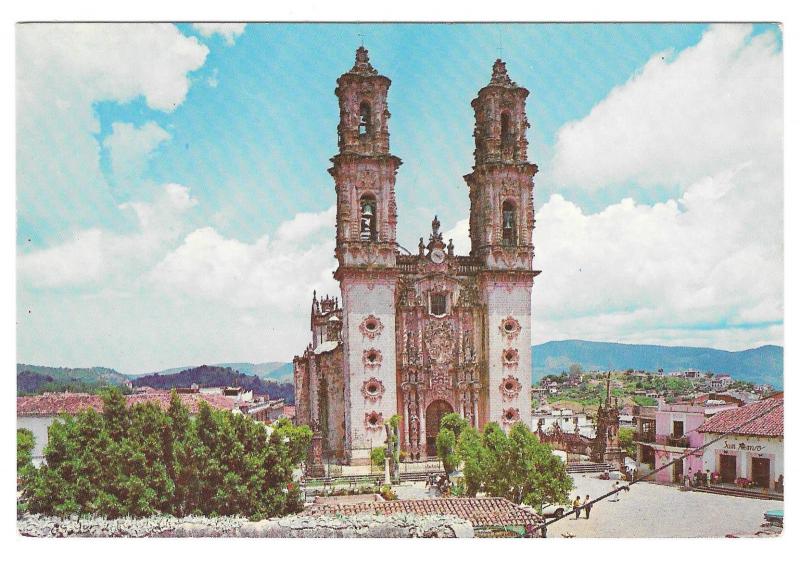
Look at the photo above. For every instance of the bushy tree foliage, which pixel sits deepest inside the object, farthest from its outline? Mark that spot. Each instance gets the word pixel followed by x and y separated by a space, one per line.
pixel 514 465
pixel 626 442
pixel 25 444
pixel 378 457
pixel 142 460
pixel 446 449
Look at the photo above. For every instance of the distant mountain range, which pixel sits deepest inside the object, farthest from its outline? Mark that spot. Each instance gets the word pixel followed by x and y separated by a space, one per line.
pixel 758 365
pixel 213 376
pixel 274 371
pixel 763 365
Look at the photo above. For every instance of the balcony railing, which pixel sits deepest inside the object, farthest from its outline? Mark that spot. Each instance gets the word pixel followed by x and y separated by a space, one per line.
pixel 678 441
pixel 644 436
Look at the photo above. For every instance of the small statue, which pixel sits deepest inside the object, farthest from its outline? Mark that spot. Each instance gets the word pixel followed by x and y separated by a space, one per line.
pixel 421 246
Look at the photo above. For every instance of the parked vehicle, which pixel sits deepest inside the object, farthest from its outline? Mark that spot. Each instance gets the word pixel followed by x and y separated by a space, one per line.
pixel 552 511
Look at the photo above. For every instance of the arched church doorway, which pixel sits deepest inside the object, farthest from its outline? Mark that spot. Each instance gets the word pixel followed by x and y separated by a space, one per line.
pixel 433 420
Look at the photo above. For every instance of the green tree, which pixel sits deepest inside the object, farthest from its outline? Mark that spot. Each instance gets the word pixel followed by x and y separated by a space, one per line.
pixel 446 449
pixel 378 457
pixel 514 465
pixel 626 442
pixel 455 423
pixel 144 460
pixel 25 444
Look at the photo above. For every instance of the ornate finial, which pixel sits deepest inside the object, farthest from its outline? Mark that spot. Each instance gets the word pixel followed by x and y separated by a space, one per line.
pixel 435 225
pixel 500 75
pixel 363 66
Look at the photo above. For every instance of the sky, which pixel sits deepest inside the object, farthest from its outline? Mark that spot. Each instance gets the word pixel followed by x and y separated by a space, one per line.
pixel 174 206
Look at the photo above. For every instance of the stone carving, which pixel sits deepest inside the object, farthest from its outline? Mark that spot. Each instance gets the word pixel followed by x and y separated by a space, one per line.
pixel 440 380
pixel 510 327
pixel 510 357
pixel 373 389
pixel 510 416
pixel 371 326
pixel 372 358
pixel 373 420
pixel 510 387
pixel 440 341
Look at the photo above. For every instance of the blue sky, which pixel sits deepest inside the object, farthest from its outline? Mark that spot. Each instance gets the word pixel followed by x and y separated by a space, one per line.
pixel 174 205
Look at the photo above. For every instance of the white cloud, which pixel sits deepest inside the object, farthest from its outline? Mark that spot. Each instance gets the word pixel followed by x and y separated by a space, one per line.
pixel 213 80
pixel 706 268
pixel 227 30
pixel 279 273
pixel 704 110
pixel 132 147
pixel 63 70
pixel 96 255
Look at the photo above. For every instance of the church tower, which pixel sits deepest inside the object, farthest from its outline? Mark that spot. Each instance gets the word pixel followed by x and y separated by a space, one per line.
pixel 500 227
pixel 366 224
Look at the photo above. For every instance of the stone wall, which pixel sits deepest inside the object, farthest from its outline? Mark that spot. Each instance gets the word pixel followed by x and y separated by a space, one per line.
pixel 294 526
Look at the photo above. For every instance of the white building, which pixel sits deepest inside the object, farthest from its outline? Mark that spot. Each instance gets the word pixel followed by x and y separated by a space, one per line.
pixel 754 450
pixel 720 382
pixel 566 419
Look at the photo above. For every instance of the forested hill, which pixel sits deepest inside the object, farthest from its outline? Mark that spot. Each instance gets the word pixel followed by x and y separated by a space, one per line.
pixel 212 376
pixel 757 365
pixel 33 379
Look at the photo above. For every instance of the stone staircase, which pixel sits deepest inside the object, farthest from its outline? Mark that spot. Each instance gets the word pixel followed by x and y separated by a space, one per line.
pixel 588 467
pixel 740 492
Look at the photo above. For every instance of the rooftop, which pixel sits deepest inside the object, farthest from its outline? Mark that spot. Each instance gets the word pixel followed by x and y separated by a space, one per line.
pixel 480 511
pixel 72 403
pixel 737 420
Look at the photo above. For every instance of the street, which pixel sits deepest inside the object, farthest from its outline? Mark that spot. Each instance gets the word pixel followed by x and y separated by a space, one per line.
pixel 651 510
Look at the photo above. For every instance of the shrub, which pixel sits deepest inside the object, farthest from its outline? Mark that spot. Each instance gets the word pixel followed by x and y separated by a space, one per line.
pixel 378 457
pixel 388 493
pixel 142 460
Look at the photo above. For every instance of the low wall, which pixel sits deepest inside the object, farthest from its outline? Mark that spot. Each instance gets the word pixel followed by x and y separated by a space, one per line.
pixel 293 526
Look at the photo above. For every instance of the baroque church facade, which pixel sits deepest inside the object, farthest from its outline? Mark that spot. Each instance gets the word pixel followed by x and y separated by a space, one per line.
pixel 423 334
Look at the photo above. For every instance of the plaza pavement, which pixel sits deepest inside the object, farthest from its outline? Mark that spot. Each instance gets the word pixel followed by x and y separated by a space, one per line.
pixel 652 510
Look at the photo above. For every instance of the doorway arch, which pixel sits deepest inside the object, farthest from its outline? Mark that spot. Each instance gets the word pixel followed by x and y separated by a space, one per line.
pixel 433 421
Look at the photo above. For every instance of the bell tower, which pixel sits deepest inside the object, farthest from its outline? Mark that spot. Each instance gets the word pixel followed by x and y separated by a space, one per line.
pixel 366 225
pixel 501 181
pixel 500 229
pixel 364 170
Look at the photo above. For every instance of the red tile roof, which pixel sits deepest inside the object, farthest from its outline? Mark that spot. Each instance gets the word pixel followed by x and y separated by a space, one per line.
pixel 72 403
pixel 480 511
pixel 737 420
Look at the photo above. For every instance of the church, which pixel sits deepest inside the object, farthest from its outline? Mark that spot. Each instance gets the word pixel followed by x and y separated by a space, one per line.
pixel 426 333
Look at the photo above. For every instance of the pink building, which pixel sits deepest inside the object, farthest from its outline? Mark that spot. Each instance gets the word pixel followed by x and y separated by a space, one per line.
pixel 671 431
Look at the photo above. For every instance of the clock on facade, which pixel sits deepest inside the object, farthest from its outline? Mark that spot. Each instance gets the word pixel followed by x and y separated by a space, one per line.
pixel 437 256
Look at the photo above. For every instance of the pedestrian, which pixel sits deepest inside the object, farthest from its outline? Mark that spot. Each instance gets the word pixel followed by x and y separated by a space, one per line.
pixel 687 480
pixel 576 506
pixel 615 496
pixel 708 478
pixel 587 506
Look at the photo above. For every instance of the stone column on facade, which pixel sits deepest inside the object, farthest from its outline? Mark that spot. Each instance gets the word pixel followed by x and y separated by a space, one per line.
pixel 316 467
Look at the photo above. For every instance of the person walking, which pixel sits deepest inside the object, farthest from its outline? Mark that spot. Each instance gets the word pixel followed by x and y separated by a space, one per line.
pixel 587 506
pixel 708 478
pixel 576 506
pixel 687 480
pixel 615 496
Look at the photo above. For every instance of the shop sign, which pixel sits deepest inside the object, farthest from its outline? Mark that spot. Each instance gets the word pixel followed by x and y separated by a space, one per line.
pixel 744 446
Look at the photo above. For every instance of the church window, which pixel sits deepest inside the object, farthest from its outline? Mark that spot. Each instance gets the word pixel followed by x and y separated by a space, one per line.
pixel 509 224
pixel 369 207
pixel 506 135
pixel 438 304
pixel 364 120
